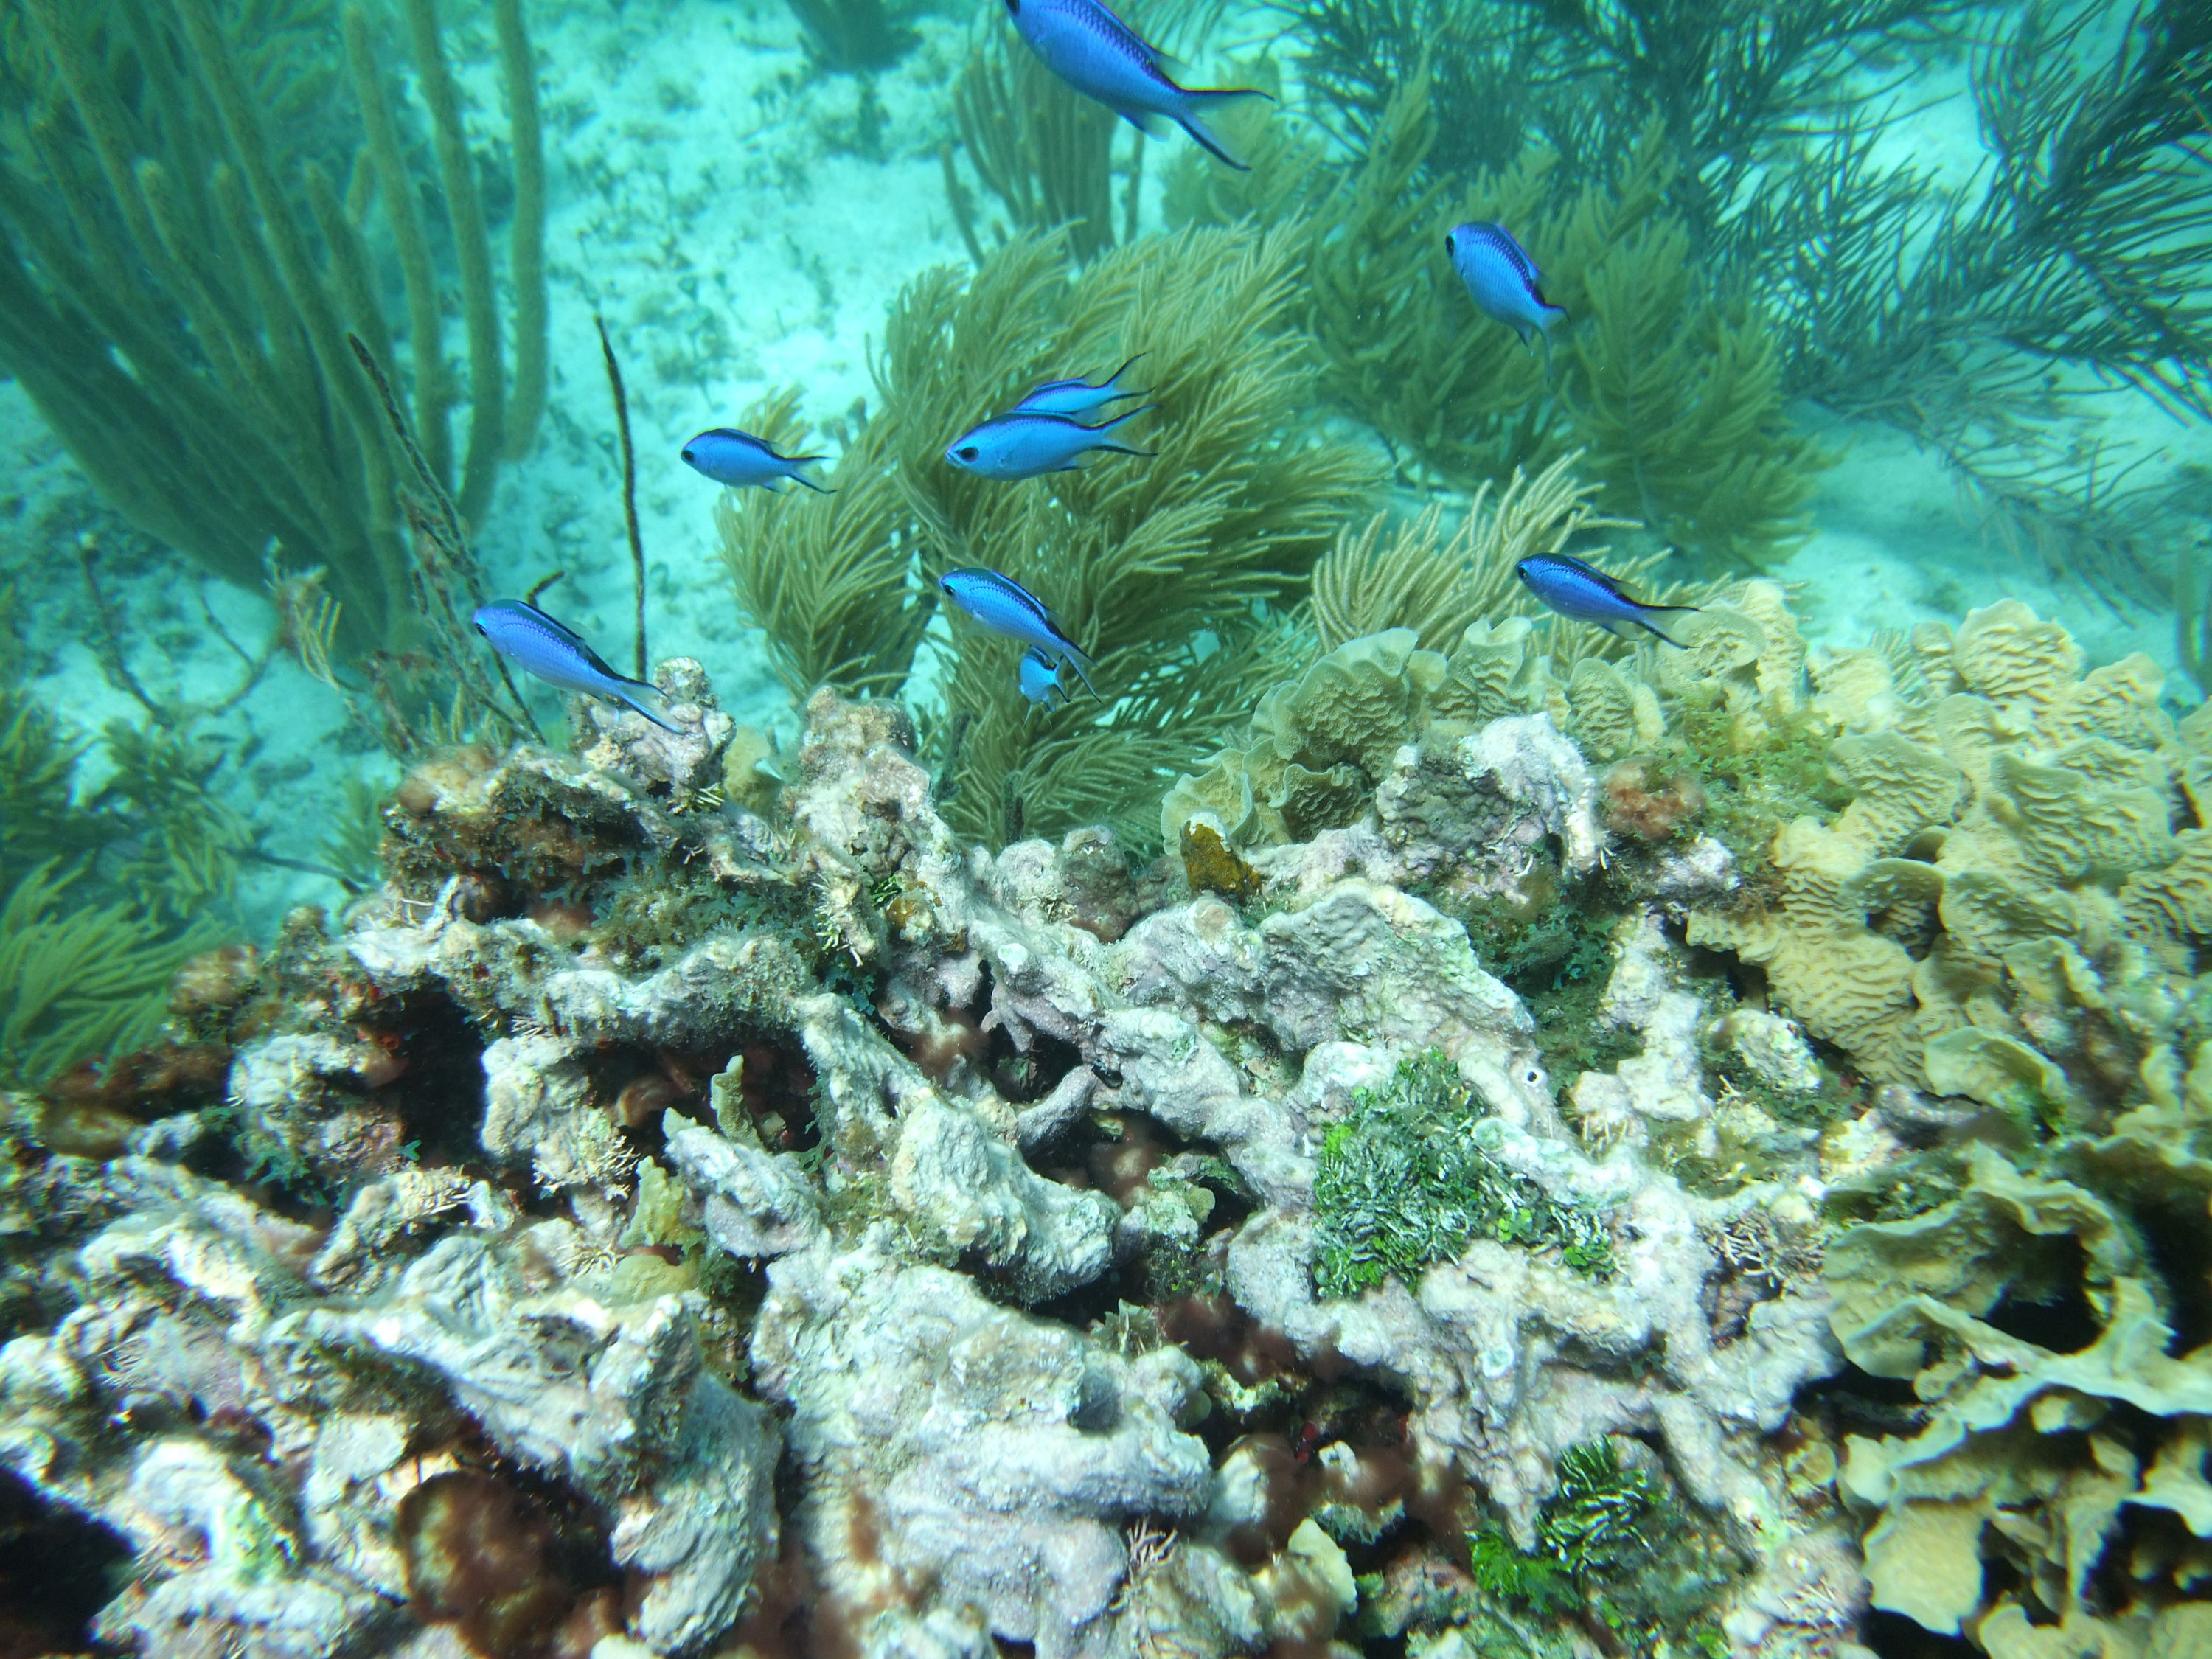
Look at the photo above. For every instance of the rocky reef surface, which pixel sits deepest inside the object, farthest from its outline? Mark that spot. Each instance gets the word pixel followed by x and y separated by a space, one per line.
pixel 1486 1191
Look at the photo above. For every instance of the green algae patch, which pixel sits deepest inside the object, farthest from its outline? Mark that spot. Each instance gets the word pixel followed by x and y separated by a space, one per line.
pixel 1402 1184
pixel 1614 1547
pixel 1758 779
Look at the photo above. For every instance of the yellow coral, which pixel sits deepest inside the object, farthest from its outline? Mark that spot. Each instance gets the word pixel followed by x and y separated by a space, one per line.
pixel 2009 654
pixel 2044 798
pixel 1356 704
pixel 2174 903
pixel 2018 1459
pixel 1609 715
pixel 1848 985
pixel 2119 702
pixel 1495 670
pixel 1898 788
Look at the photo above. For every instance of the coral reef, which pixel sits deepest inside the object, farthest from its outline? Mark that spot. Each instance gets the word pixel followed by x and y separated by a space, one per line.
pixel 2004 879
pixel 986 1194
pixel 2061 1359
pixel 1648 1155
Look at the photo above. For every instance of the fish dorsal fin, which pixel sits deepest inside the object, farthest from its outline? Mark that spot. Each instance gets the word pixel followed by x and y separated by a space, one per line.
pixel 597 663
pixel 553 623
pixel 601 665
pixel 1608 583
pixel 1126 40
pixel 1512 253
pixel 1044 611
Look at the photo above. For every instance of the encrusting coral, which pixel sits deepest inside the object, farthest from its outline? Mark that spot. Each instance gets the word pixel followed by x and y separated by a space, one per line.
pixel 1401 1210
pixel 1001 1178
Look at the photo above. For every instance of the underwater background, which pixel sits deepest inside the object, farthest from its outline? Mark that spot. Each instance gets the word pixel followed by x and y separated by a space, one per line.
pixel 1312 1100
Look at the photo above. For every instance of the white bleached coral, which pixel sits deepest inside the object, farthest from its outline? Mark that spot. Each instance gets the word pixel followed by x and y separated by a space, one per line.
pixel 981 1183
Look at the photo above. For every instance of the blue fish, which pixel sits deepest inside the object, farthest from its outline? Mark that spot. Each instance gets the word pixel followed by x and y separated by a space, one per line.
pixel 738 458
pixel 553 653
pixel 1023 445
pixel 1077 397
pixel 1004 606
pixel 1102 57
pixel 1503 279
pixel 1586 593
pixel 1040 678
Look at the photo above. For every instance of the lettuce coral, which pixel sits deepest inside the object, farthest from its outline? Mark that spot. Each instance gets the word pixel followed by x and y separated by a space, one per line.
pixel 2038 1453
pixel 2004 876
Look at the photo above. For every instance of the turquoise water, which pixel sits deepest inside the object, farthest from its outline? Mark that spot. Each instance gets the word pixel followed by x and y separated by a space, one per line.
pixel 1897 307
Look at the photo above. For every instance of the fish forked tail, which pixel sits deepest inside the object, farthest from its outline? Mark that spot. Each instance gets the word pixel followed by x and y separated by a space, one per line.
pixel 634 693
pixel 1652 628
pixel 1550 317
pixel 1213 98
pixel 1114 380
pixel 795 462
pixel 1125 415
pixel 1122 449
pixel 1081 664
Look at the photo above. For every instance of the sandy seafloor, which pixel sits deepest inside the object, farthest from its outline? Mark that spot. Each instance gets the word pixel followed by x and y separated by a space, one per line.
pixel 743 223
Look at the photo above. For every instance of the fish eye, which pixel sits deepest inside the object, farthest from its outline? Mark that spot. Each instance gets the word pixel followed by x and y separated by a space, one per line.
pixel 691 454
pixel 968 451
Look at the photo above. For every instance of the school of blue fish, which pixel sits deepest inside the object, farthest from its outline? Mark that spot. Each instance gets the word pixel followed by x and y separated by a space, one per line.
pixel 1055 426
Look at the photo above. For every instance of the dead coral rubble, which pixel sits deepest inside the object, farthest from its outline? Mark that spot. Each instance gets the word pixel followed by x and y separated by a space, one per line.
pixel 848 1171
